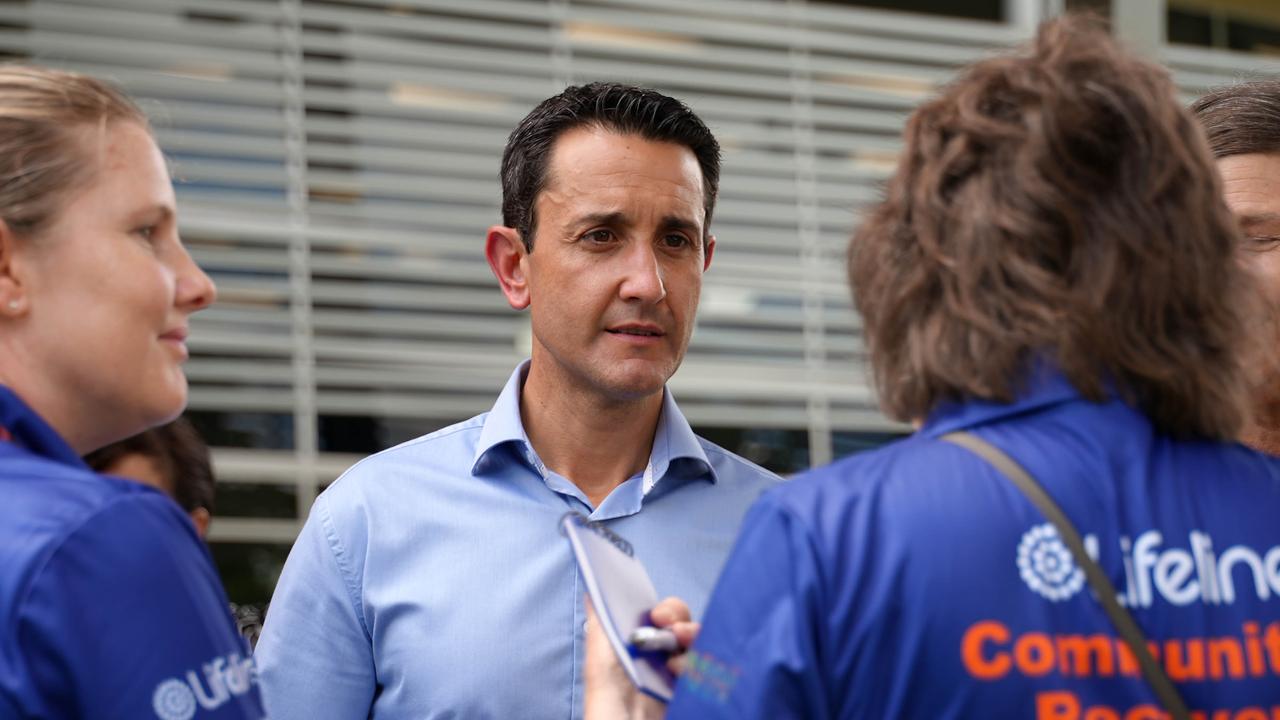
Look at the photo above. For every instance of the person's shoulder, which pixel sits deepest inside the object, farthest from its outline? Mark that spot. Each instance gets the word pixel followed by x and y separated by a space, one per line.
pixel 736 470
pixel 415 473
pixel 128 540
pixel 62 492
pixel 447 448
pixel 124 599
pixel 1209 474
pixel 133 516
pixel 46 502
pixel 1242 462
pixel 911 459
pixel 912 480
pixel 145 533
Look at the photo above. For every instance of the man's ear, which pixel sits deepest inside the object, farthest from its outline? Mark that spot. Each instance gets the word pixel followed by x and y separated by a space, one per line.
pixel 708 251
pixel 13 291
pixel 200 517
pixel 506 254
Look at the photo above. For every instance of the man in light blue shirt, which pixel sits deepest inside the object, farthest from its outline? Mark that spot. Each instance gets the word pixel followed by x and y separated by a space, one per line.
pixel 431 579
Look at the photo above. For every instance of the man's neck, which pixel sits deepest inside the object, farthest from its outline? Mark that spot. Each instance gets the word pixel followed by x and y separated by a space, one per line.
pixel 594 442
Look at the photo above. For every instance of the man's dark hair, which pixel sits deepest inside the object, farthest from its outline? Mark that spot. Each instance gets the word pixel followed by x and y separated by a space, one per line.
pixel 623 109
pixel 1241 119
pixel 1057 205
pixel 180 455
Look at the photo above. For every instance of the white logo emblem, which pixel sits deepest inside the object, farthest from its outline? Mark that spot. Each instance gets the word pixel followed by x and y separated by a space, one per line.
pixel 173 700
pixel 224 678
pixel 1046 566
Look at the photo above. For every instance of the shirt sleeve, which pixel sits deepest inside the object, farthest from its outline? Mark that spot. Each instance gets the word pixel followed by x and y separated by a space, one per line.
pixel 127 618
pixel 314 655
pixel 758 654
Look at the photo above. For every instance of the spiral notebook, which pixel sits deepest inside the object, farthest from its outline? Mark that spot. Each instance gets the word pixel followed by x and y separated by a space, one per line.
pixel 622 595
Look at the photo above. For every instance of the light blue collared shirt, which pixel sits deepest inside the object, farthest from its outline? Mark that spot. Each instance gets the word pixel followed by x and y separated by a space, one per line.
pixel 431 579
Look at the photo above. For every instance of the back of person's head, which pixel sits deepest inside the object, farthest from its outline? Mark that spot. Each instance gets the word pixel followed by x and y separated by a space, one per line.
pixel 1056 205
pixel 179 455
pixel 1241 119
pixel 46 116
pixel 621 109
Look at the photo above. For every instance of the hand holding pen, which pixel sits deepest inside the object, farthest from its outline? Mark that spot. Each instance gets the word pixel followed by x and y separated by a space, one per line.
pixel 608 693
pixel 671 631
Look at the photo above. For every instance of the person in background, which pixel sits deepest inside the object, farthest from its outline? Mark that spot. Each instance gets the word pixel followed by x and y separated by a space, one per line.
pixel 1054 272
pixel 432 580
pixel 1242 123
pixel 110 605
pixel 171 458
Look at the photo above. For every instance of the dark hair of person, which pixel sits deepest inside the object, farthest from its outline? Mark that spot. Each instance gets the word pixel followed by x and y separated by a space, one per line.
pixel 180 455
pixel 1241 119
pixel 622 109
pixel 1057 205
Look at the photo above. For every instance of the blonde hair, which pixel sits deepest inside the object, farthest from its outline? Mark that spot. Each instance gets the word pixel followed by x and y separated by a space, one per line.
pixel 43 116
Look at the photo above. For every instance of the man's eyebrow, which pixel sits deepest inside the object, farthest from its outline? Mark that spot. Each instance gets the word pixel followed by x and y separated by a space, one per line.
pixel 1249 220
pixel 603 218
pixel 675 222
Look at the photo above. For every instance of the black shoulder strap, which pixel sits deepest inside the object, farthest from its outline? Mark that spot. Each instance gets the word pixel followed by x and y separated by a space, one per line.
pixel 1165 691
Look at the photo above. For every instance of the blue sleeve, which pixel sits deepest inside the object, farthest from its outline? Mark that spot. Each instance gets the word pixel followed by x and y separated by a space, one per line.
pixel 314 656
pixel 127 619
pixel 758 654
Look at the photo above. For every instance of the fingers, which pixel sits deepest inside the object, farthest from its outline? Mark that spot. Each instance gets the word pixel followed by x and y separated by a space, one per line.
pixel 673 614
pixel 686 633
pixel 677 663
pixel 671 610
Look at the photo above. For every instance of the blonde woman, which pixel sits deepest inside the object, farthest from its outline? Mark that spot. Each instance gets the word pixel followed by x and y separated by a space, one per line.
pixel 110 605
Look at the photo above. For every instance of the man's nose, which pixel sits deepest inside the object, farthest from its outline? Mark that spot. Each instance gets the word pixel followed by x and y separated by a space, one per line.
pixel 642 280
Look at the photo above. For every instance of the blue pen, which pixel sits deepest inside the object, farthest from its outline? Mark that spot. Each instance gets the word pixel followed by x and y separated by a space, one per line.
pixel 652 639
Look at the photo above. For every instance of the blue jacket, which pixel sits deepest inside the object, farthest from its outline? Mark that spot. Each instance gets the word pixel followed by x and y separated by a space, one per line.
pixel 110 603
pixel 917 582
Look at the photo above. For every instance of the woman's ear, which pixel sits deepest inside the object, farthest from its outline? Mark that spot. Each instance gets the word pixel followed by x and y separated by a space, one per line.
pixel 506 253
pixel 13 295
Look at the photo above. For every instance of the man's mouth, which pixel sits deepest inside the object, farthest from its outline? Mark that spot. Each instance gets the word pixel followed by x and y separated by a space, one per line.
pixel 636 331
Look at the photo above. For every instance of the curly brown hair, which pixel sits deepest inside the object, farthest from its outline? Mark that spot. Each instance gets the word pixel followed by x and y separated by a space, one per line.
pixel 1056 204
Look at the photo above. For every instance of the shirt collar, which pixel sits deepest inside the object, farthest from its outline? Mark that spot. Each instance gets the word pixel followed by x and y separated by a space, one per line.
pixel 30 431
pixel 676 449
pixel 675 441
pixel 1044 386
pixel 502 426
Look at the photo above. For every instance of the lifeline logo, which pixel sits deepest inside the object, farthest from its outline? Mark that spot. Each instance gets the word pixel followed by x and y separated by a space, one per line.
pixel 1177 575
pixel 1045 564
pixel 176 699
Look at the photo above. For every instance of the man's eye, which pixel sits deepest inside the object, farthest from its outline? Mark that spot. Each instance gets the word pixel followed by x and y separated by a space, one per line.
pixel 599 237
pixel 676 241
pixel 146 232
